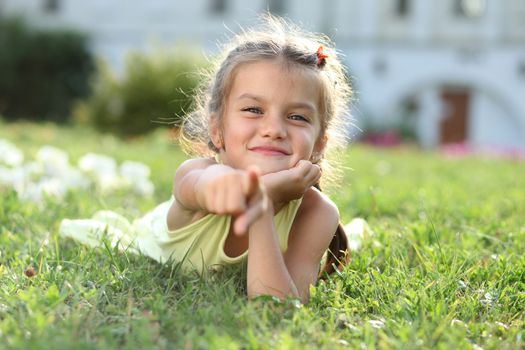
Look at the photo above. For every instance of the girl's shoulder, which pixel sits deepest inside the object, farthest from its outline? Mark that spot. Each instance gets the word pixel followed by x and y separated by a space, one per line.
pixel 191 165
pixel 312 230
pixel 316 203
pixel 318 215
pixel 196 163
pixel 180 214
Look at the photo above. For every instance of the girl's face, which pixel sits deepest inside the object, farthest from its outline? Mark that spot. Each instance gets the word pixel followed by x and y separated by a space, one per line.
pixel 271 118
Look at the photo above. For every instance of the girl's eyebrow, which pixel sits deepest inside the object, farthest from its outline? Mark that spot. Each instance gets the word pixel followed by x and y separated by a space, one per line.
pixel 301 104
pixel 249 96
pixel 305 105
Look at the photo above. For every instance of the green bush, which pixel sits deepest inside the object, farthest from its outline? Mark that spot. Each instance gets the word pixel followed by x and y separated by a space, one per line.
pixel 155 89
pixel 41 71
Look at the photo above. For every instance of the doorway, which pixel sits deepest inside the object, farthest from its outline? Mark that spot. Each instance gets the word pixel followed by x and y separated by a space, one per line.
pixel 454 121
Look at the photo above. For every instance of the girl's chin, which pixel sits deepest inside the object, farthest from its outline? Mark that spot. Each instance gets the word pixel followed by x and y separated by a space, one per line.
pixel 274 169
pixel 266 168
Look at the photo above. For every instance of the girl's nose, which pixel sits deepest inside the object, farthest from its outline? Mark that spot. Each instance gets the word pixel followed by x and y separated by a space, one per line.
pixel 273 126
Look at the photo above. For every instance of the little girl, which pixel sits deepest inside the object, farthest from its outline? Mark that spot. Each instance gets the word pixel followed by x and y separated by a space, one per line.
pixel 262 127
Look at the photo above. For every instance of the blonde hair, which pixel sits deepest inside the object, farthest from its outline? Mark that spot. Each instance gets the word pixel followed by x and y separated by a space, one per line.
pixel 276 39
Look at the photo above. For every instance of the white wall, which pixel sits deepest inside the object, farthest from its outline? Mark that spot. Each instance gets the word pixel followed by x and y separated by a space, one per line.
pixel 389 58
pixel 492 125
pixel 492 74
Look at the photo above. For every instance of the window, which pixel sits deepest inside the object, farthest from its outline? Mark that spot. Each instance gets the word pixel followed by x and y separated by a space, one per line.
pixel 402 8
pixel 51 6
pixel 218 7
pixel 469 8
pixel 521 69
pixel 380 66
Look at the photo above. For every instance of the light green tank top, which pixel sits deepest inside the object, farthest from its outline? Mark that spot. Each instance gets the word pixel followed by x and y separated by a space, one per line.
pixel 201 244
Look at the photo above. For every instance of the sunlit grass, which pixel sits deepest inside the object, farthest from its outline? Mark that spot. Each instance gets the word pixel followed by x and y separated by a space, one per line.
pixel 445 268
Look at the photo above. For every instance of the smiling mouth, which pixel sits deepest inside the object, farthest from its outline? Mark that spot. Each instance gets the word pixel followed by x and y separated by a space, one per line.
pixel 270 151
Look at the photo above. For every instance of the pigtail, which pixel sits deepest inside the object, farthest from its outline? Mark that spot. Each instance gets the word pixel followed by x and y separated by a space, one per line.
pixel 338 253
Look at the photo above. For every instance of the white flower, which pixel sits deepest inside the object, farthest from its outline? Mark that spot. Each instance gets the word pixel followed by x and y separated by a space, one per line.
pixel 143 187
pixel 356 231
pixel 136 176
pixel 95 164
pixel 36 192
pixel 52 175
pixel 6 177
pixel 74 179
pixel 30 192
pixel 134 170
pixel 488 299
pixel 31 171
pixel 10 155
pixel 53 160
pixel 462 284
pixel 53 187
pixel 455 322
pixel 377 323
pixel 501 324
pixel 109 182
pixel 103 170
pixel 20 177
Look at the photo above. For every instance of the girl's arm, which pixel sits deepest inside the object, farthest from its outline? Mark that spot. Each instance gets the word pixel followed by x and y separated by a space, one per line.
pixel 267 272
pixel 291 274
pixel 184 208
pixel 312 231
pixel 191 181
pixel 203 186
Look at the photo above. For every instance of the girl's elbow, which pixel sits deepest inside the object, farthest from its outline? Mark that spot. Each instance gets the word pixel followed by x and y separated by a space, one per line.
pixel 254 292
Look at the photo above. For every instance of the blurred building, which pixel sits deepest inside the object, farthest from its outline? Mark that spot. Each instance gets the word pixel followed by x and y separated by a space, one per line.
pixel 449 71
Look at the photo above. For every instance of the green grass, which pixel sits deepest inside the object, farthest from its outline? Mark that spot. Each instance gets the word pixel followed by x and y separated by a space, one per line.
pixel 445 268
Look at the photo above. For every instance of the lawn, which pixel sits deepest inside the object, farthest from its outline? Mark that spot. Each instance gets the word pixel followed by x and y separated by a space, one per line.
pixel 445 267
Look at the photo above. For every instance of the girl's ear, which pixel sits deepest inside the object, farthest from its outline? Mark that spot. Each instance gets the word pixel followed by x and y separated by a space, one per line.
pixel 318 151
pixel 216 132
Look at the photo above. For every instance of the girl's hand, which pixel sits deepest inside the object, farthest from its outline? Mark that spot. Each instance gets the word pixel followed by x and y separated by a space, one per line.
pixel 257 201
pixel 287 185
pixel 236 192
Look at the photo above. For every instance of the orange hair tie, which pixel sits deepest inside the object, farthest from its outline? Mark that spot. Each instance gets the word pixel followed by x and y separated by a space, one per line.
pixel 321 57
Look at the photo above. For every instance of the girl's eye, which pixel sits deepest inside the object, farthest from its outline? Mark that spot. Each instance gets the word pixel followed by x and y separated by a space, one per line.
pixel 298 117
pixel 255 110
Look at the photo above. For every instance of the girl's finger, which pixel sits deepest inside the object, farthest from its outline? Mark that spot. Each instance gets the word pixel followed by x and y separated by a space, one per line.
pixel 243 221
pixel 236 202
pixel 315 173
pixel 304 166
pixel 312 175
pixel 240 225
pixel 251 183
